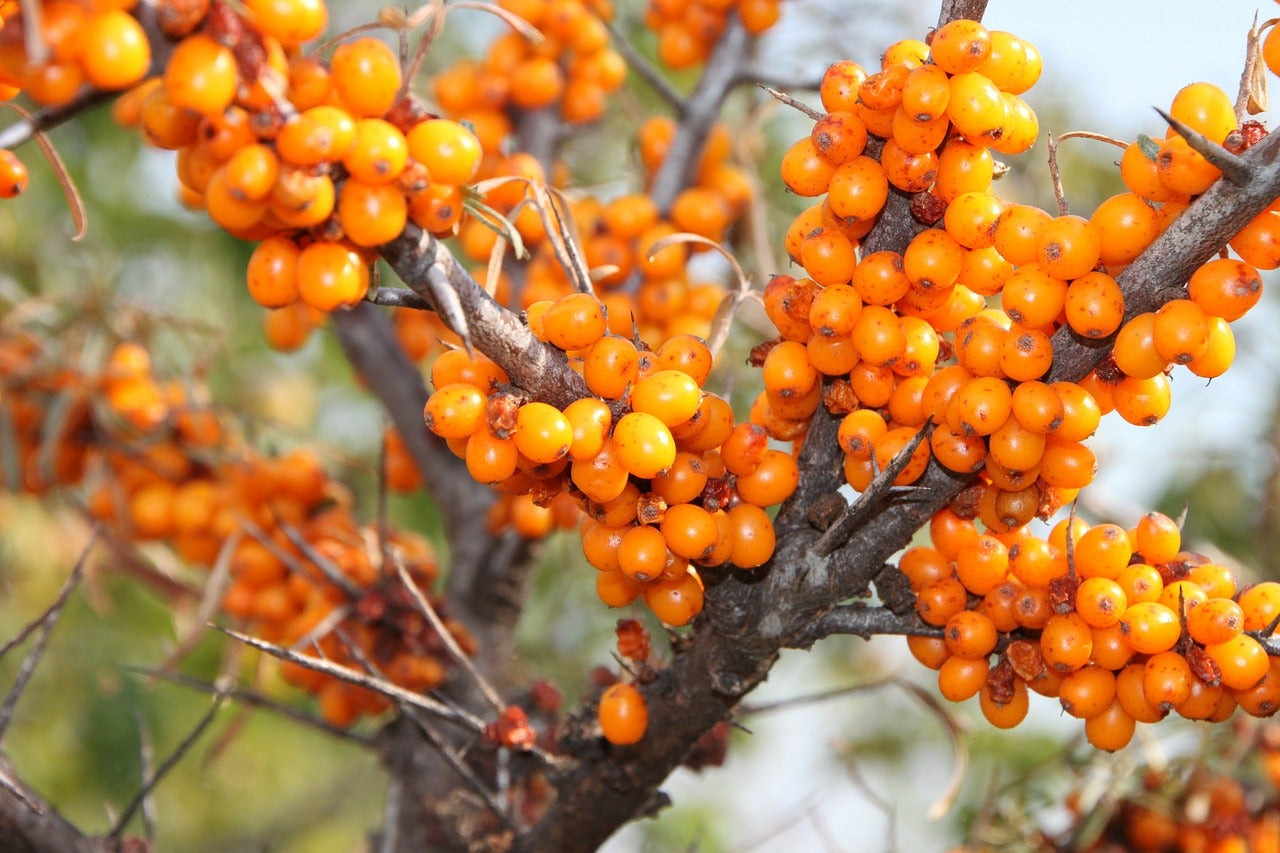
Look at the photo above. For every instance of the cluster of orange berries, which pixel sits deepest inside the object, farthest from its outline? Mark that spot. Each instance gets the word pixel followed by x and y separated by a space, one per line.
pixel 1195 808
pixel 94 44
pixel 666 479
pixel 688 30
pixel 1121 626
pixel 572 65
pixel 157 465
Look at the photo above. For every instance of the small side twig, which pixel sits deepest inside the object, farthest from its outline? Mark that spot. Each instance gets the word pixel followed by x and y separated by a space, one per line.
pixel 167 765
pixel 877 491
pixel 146 757
pixel 394 692
pixel 816 115
pixel 1055 174
pixel 44 625
pixel 1234 168
pixel 424 606
pixel 648 72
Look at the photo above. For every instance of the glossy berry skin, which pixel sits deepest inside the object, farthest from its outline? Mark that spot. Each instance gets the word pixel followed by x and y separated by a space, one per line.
pixel 623 715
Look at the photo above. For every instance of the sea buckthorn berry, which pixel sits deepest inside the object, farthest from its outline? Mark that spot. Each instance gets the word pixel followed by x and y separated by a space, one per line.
pixel 1110 651
pixel 671 396
pixel 371 214
pixel 602 477
pixel 575 321
pixel 331 276
pixel 951 534
pixel 963 167
pixel 857 190
pixel 201 75
pixel 838 137
pixel 975 107
pixel 1013 64
pixel 1135 349
pixel 320 134
pixel 804 170
pixel 772 481
pixel 1102 552
pixel 675 601
pixel 366 76
pixel 983 566
pixel 1181 331
pixel 827 256
pixel 684 481
pixel 644 444
pixel 1021 126
pixel 970 634
pixel 933 260
pixel 1225 288
pixel 272 273
pixel 1258 242
pixel 1205 108
pixel 378 154
pixel 1087 692
pixel 689 530
pixel 1242 661
pixel 839 87
pixel 1100 601
pixel 1261 605
pixel 590 420
pixel 970 219
pixel 1143 402
pixel 1037 407
pixel 252 172
pixel 611 365
pixel 1026 354
pixel 450 152
pixel 879 338
pixel 688 354
pixel 753 536
pixel 114 51
pixel 1184 170
pixel 956 450
pixel 894 442
pixel 909 171
pixel 1263 700
pixel 490 459
pixel 1017 233
pixel 1007 714
pixel 883 90
pixel 959 678
pixel 1219 352
pixel 1166 680
pixel 543 433
pixel 1150 627
pixel 923 565
pixel 981 407
pixel 1066 642
pixel 960 46
pixel 1125 224
pixel 880 278
pixel 642 553
pixel 1094 305
pixel 1080 412
pixel 1182 596
pixel 455 411
pixel 1215 621
pixel 940 600
pixel 623 715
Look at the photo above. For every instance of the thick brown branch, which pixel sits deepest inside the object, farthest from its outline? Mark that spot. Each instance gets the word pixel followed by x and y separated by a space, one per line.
pixel 958 10
pixel 702 108
pixel 533 365
pixel 30 825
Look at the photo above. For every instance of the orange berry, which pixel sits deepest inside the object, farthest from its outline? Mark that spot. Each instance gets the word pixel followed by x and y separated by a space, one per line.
pixel 331 276
pixel 644 444
pixel 623 715
pixel 114 51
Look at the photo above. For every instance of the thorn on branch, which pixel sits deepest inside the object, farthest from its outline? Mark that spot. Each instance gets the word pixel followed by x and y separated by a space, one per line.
pixel 1234 167
pixel 398 297
pixel 880 489
pixel 793 103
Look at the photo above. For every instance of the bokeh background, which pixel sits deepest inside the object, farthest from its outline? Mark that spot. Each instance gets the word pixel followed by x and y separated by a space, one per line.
pixel 856 772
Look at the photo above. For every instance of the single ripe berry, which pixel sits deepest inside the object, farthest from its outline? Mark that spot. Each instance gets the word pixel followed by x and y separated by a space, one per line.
pixel 623 715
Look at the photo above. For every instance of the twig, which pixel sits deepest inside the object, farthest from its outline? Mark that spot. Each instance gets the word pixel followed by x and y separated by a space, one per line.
pixel 45 627
pixel 394 692
pixel 1055 175
pixel 961 10
pixel 146 756
pixel 322 563
pixel 254 699
pixel 424 605
pixel 814 698
pixel 1234 167
pixel 877 491
pixel 793 103
pixel 389 840
pixel 398 297
pixel 863 620
pixel 648 72
pixel 165 766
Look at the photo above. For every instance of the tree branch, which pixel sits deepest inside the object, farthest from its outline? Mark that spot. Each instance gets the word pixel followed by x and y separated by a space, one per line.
pixel 533 365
